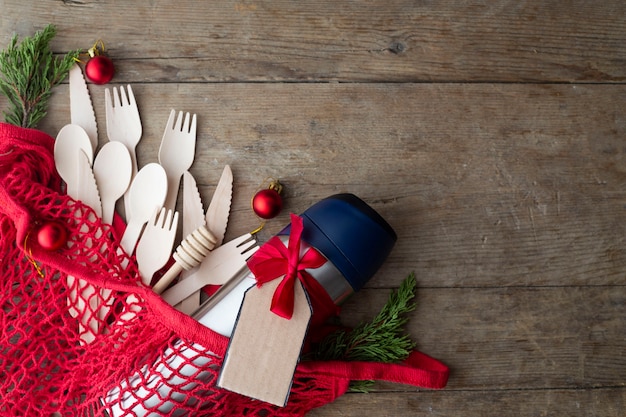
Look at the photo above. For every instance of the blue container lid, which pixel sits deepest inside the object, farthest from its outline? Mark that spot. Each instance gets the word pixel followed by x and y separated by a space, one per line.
pixel 351 234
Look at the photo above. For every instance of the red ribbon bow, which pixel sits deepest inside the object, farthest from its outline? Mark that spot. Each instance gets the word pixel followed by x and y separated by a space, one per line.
pixel 274 260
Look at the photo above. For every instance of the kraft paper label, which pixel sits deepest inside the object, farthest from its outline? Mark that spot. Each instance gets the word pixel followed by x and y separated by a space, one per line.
pixel 265 348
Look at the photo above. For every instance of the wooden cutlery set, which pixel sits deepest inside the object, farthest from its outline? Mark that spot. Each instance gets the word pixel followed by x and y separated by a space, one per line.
pixel 149 194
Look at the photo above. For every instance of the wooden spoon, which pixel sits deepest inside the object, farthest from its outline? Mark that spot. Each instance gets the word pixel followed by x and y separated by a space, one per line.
pixel 113 170
pixel 70 140
pixel 147 193
pixel 71 144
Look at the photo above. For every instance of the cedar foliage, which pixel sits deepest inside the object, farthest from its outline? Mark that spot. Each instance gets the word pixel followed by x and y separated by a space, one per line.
pixel 28 71
pixel 380 340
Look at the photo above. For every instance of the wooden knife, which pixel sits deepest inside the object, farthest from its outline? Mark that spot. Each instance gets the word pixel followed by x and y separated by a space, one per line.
pixel 87 187
pixel 219 208
pixel 193 212
pixel 216 220
pixel 81 108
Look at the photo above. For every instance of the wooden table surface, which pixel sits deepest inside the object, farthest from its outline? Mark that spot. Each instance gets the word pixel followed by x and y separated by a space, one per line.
pixel 491 136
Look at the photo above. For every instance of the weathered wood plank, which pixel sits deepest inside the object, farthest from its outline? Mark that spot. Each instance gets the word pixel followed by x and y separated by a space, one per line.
pixel 486 185
pixel 507 198
pixel 397 40
pixel 549 403
pixel 515 338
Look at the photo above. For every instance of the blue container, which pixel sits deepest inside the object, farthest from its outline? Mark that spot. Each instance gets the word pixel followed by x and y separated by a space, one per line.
pixel 351 234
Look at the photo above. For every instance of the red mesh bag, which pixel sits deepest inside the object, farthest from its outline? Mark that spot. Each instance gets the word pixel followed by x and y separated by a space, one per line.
pixel 81 336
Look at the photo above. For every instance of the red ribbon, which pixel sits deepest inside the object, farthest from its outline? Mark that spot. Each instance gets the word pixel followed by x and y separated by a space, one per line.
pixel 273 260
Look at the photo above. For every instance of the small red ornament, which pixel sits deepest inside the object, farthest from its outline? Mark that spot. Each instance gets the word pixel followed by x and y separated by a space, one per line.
pixel 268 203
pixel 52 236
pixel 99 69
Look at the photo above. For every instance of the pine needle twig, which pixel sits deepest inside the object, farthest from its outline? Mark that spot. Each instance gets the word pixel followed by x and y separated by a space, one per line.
pixel 28 71
pixel 380 340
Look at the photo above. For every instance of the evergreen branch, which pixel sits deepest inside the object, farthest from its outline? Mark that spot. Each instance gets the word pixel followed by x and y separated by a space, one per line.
pixel 380 340
pixel 28 72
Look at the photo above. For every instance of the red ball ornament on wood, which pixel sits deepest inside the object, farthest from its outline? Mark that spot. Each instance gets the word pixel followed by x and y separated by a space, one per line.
pixel 100 69
pixel 52 236
pixel 268 203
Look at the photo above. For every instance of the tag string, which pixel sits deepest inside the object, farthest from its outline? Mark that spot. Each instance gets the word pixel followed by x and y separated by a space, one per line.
pixel 29 256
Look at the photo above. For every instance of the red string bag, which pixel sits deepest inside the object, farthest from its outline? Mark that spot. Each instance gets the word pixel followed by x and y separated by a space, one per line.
pixel 46 366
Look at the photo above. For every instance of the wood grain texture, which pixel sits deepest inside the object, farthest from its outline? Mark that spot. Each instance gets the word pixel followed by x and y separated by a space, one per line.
pixel 486 184
pixel 515 338
pixel 527 403
pixel 397 41
pixel 491 135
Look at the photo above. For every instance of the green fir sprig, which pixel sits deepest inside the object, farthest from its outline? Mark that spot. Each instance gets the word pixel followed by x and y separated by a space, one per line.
pixel 381 340
pixel 28 71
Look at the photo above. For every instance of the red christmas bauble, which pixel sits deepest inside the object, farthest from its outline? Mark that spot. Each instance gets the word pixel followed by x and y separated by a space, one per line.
pixel 99 69
pixel 267 203
pixel 52 236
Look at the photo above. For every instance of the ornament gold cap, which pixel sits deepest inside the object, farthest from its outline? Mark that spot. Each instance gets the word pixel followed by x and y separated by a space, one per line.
pixel 97 48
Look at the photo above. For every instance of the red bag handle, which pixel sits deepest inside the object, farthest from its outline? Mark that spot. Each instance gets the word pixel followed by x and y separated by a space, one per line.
pixel 418 369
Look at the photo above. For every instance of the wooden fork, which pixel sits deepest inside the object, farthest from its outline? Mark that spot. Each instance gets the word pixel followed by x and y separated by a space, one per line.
pixel 217 268
pixel 177 151
pixel 123 124
pixel 157 241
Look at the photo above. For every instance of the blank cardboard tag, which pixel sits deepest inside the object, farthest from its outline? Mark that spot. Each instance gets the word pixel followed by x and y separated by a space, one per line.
pixel 264 348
